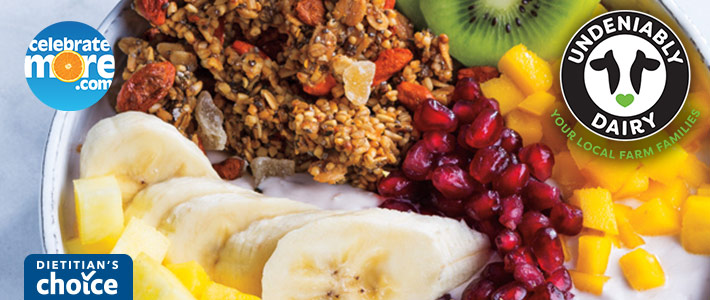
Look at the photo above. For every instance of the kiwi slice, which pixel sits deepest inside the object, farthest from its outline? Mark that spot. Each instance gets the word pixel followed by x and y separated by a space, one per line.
pixel 410 8
pixel 481 31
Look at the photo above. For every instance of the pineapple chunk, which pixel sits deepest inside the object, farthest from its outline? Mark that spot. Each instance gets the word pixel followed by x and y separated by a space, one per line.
pixel 695 172
pixel 139 237
pixel 655 217
pixel 593 254
pixel 152 281
pixel 598 209
pixel 221 292
pixel 627 235
pixel 74 246
pixel 666 165
pixel 609 174
pixel 528 126
pixel 590 283
pixel 504 91
pixel 99 209
pixel 537 103
pixel 529 72
pixel 695 230
pixel 642 270
pixel 672 192
pixel 192 276
pixel 566 174
pixel 637 184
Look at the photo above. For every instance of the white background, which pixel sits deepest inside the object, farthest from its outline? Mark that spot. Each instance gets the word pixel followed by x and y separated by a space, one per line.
pixel 24 122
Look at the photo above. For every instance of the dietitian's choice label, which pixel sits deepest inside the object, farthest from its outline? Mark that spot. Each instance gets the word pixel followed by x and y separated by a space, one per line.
pixel 69 66
pixel 78 276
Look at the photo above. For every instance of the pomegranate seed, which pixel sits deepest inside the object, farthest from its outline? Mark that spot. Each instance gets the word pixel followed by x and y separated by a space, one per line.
pixel 434 116
pixel 496 272
pixel 397 204
pixel 511 211
pixel 540 195
pixel 566 218
pixel 548 250
pixel 488 227
pixel 451 207
pixel 439 141
pixel 483 206
pixel 445 297
pixel 478 290
pixel 396 185
pixel 512 179
pixel 458 157
pixel 521 255
pixel 461 138
pixel 488 163
pixel 428 210
pixel 419 162
pixel 531 223
pixel 507 240
pixel 466 89
pixel 540 159
pixel 569 295
pixel 561 279
pixel 510 140
pixel 485 129
pixel 547 291
pixel 528 275
pixel 510 291
pixel 453 182
pixel 465 111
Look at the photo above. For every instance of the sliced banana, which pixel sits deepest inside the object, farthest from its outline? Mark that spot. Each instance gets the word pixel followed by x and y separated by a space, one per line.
pixel 374 254
pixel 140 149
pixel 198 228
pixel 241 260
pixel 152 203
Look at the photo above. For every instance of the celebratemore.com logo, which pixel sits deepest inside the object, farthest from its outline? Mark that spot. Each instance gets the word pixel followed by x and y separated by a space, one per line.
pixel 78 276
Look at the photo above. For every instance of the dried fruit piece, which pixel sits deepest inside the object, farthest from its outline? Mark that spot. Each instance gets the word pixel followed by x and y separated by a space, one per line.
pixel 357 79
pixel 154 11
pixel 351 12
pixel 389 61
pixel 146 87
pixel 230 168
pixel 322 88
pixel 262 167
pixel 434 116
pixel 210 120
pixel 480 74
pixel 389 4
pixel 412 95
pixel 310 12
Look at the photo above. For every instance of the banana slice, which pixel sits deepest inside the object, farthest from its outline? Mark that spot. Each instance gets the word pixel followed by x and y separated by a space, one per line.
pixel 374 254
pixel 241 260
pixel 152 203
pixel 198 228
pixel 140 149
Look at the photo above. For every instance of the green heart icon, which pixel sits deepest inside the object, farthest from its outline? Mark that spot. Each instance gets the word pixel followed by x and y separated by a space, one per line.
pixel 625 100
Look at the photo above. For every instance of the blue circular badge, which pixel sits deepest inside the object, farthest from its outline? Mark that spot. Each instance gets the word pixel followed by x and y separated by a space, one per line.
pixel 69 66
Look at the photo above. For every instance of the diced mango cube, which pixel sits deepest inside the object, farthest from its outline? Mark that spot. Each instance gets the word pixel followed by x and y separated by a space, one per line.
pixel 552 135
pixel 627 235
pixel 655 217
pixel 565 248
pixel 635 185
pixel 192 276
pixel 74 246
pixel 529 72
pixel 642 270
pixel 608 173
pixel 538 103
pixel 99 209
pixel 139 237
pixel 153 281
pixel 695 230
pixel 704 190
pixel 665 166
pixel 221 292
pixel 695 172
pixel 504 91
pixel 566 174
pixel 590 283
pixel 555 67
pixel 593 254
pixel 673 192
pixel 598 209
pixel 527 125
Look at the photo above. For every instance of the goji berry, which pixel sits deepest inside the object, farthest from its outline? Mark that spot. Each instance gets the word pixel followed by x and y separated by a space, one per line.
pixel 244 47
pixel 146 87
pixel 412 94
pixel 322 88
pixel 310 12
pixel 480 74
pixel 229 169
pixel 389 4
pixel 390 62
pixel 153 10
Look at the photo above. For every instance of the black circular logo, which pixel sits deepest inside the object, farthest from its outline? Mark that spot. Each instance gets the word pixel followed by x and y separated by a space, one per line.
pixel 625 75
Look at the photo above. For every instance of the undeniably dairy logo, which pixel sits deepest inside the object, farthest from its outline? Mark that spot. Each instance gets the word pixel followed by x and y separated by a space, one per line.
pixel 625 75
pixel 69 66
pixel 78 276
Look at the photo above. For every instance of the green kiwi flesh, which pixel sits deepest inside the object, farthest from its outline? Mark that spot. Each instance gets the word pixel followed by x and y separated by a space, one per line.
pixel 481 31
pixel 410 8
